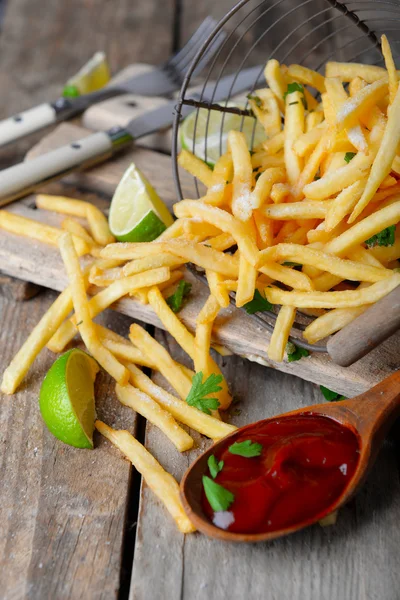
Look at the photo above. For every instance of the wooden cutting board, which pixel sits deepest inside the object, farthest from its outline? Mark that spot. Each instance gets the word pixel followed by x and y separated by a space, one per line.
pixel 38 263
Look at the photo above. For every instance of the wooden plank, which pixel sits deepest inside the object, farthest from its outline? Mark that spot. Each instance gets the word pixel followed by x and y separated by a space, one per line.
pixel 356 559
pixel 62 510
pixel 234 329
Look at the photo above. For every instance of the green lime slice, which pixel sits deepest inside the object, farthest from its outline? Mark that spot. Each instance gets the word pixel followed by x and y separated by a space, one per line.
pixel 137 213
pixel 191 129
pixel 66 398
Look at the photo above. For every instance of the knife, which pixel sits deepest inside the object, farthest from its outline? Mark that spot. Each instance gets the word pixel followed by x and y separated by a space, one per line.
pixel 24 178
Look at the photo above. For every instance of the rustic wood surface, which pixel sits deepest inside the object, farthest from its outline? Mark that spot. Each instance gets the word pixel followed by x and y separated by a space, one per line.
pixel 234 328
pixel 353 560
pixel 68 517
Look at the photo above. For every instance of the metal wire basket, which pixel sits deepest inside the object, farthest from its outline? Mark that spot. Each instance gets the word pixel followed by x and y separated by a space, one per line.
pixel 310 33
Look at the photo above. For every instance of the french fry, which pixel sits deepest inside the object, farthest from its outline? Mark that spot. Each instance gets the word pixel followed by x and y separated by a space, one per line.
pixel 313 119
pixel 196 167
pixel 307 142
pixel 181 411
pixel 348 71
pixel 77 229
pixel 185 339
pixel 217 289
pixel 209 311
pixel 297 210
pixel 346 269
pixel 205 257
pixel 223 221
pixel 279 192
pixel 334 182
pixel 153 412
pixel 79 208
pixel 81 307
pixel 104 299
pixel 384 158
pixel 221 242
pixel 262 160
pixel 38 231
pixel 330 322
pixel 390 67
pixel 276 81
pixel 104 278
pixel 171 322
pixel 280 335
pixel 36 341
pixel 343 204
pixel 150 262
pixel 349 113
pixel 246 282
pixel 345 299
pixel 242 175
pixel 264 185
pixel 166 364
pixel 274 144
pixel 159 481
pixel 307 77
pixel 269 114
pixel 288 276
pixel 265 229
pixel 293 129
pixel 359 232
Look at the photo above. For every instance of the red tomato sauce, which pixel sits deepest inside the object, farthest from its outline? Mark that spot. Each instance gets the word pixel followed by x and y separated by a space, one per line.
pixel 305 465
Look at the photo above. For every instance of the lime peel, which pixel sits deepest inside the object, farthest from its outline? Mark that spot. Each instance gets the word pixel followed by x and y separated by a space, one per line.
pixel 66 398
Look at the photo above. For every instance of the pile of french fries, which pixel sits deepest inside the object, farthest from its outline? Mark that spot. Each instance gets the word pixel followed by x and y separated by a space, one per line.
pixel 289 219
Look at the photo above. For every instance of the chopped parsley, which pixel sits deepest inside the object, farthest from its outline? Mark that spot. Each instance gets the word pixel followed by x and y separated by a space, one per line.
pixel 219 498
pixel 291 103
pixel 295 87
pixel 70 91
pixel 175 302
pixel 198 395
pixel 256 99
pixel 247 448
pixel 330 395
pixel 349 156
pixel 214 466
pixel 258 304
pixel 295 353
pixel 386 237
pixel 289 263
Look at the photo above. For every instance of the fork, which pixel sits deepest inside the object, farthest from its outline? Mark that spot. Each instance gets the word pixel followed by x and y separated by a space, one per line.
pixel 163 80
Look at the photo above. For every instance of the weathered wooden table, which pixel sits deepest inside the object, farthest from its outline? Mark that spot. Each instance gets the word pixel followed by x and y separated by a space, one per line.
pixel 79 524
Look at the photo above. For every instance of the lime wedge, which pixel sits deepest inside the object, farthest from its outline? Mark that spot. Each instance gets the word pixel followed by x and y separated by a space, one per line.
pixel 66 398
pixel 94 75
pixel 137 213
pixel 190 129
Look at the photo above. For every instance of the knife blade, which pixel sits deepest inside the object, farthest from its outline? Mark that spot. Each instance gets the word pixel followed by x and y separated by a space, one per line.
pixel 24 178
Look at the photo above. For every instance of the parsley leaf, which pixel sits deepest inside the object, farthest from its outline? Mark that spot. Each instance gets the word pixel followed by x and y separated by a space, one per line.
pixel 175 301
pixel 294 352
pixel 289 263
pixel 219 498
pixel 214 466
pixel 258 304
pixel 384 238
pixel 295 87
pixel 330 395
pixel 256 99
pixel 199 391
pixel 349 156
pixel 247 448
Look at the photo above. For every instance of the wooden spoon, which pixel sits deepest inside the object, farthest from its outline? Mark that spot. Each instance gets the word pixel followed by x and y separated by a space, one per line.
pixel 369 415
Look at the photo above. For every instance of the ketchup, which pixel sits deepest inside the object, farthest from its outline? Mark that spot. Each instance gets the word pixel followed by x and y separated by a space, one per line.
pixel 305 464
